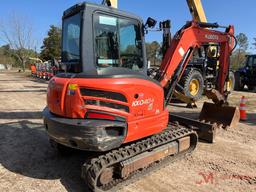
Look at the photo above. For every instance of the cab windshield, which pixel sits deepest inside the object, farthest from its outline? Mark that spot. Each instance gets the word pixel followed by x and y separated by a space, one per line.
pixel 118 42
pixel 71 39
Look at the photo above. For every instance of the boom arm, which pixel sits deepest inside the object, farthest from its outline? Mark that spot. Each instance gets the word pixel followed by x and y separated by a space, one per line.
pixel 197 11
pixel 111 3
pixel 193 35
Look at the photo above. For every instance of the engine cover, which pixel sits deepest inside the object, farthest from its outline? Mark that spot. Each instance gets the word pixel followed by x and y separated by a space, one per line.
pixel 136 100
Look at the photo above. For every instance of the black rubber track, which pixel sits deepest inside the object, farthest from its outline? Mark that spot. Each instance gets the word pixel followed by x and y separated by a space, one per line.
pixel 92 169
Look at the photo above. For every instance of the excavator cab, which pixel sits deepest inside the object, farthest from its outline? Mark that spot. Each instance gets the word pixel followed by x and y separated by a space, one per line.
pixel 97 37
pixel 104 98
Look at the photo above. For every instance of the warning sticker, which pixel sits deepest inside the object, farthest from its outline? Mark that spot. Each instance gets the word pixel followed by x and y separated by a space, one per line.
pixel 181 51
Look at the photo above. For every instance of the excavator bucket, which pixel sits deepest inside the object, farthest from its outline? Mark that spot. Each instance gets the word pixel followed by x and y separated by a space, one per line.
pixel 224 116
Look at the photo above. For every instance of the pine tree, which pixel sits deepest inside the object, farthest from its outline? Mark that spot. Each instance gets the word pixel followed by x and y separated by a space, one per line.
pixel 52 44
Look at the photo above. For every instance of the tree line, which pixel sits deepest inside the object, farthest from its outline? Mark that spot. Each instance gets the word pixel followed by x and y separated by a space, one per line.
pixel 237 58
pixel 20 45
pixel 239 54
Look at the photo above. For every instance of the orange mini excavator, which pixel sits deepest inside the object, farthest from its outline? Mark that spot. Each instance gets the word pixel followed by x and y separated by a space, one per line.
pixel 105 102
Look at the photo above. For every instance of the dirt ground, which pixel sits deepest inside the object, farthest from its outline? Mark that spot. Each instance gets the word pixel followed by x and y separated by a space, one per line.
pixel 29 164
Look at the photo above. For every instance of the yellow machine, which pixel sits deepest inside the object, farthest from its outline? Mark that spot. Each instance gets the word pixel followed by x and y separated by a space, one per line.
pixel 197 11
pixel 112 3
pixel 35 59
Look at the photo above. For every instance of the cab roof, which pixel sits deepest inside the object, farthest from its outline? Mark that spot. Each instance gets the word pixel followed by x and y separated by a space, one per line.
pixel 98 7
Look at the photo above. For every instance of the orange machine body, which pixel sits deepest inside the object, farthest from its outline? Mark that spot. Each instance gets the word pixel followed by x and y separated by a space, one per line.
pixel 140 103
pixel 33 69
pixel 99 108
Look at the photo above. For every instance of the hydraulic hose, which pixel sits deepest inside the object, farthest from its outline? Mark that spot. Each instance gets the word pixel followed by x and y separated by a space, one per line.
pixel 235 42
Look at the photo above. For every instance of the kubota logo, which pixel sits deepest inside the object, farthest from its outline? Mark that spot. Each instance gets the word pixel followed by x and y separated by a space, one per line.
pixel 142 102
pixel 212 37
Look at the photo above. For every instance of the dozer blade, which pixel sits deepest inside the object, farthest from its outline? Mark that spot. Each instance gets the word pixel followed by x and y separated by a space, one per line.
pixel 224 116
pixel 205 131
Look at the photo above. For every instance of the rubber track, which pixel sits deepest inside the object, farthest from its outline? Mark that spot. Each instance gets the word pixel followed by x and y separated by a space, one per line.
pixel 92 169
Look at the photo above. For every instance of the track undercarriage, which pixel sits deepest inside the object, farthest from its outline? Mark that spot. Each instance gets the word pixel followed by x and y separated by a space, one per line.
pixel 121 166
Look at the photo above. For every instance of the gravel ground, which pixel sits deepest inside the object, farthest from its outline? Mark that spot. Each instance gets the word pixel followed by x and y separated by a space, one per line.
pixel 29 164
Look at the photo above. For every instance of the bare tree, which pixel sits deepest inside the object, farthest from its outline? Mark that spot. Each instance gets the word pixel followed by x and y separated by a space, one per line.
pixel 17 33
pixel 239 54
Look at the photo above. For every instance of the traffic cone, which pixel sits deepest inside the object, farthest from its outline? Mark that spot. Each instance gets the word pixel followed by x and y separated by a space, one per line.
pixel 243 116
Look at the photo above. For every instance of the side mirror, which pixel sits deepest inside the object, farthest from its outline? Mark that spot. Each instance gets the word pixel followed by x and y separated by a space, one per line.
pixel 151 23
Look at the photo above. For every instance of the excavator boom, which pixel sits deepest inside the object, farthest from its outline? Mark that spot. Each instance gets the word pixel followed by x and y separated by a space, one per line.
pixel 110 3
pixel 197 11
pixel 192 36
pixel 187 96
